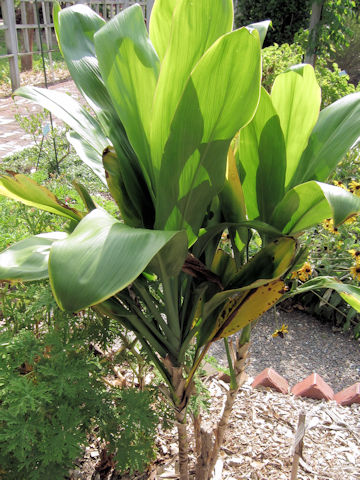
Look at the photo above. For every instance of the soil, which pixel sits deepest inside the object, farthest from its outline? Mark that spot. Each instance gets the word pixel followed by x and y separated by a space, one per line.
pixel 310 346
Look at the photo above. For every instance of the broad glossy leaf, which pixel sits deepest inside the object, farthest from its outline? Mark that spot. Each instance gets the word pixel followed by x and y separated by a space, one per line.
pixel 212 108
pixel 130 67
pixel 335 132
pixel 261 160
pixel 77 26
pixel 310 203
pixel 160 25
pixel 70 112
pixel 296 97
pixel 350 293
pixel 101 257
pixel 195 27
pixel 91 157
pixel 28 260
pixel 23 189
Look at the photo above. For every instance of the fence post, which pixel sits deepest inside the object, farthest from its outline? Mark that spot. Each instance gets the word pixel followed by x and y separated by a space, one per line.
pixel 8 11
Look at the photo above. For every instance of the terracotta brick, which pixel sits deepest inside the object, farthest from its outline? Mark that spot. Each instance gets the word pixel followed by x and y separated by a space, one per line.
pixel 349 395
pixel 270 378
pixel 313 387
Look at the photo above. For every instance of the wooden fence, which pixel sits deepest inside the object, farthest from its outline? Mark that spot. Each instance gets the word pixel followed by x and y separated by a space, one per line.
pixel 24 38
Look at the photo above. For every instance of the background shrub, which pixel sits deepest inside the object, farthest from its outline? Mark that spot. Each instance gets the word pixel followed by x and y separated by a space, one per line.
pixel 333 82
pixel 287 17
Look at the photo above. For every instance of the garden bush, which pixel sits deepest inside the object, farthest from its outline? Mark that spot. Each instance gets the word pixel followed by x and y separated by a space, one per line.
pixel 333 82
pixel 287 17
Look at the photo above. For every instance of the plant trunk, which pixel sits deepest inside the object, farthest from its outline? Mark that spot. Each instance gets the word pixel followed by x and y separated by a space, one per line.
pixel 316 11
pixel 210 449
pixel 180 399
pixel 239 368
pixel 181 424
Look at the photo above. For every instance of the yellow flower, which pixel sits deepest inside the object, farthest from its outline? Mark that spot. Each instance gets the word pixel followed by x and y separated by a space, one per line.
pixel 281 331
pixel 328 224
pixel 356 254
pixel 355 188
pixel 303 273
pixel 339 184
pixel 355 272
pixel 350 220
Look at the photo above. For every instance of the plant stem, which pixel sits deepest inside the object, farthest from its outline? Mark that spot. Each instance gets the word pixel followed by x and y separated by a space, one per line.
pixel 239 369
pixel 181 424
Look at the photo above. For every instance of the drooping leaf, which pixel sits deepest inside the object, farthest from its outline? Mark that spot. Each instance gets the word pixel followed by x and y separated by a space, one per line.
pixel 129 66
pixel 261 159
pixel 195 27
pixel 23 189
pixel 350 293
pixel 211 110
pixel 27 260
pixel 270 263
pixel 101 257
pixel 247 307
pixel 90 156
pixel 296 97
pixel 70 112
pixel 335 132
pixel 310 203
pixel 160 25
pixel 75 29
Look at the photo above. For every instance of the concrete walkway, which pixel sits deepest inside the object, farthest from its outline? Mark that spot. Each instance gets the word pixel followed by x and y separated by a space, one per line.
pixel 12 137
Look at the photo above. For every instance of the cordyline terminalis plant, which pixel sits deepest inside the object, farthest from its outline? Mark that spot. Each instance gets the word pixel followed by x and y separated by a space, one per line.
pixel 189 145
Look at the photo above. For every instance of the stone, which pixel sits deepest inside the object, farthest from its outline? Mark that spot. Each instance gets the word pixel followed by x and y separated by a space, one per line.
pixel 349 395
pixel 313 387
pixel 270 378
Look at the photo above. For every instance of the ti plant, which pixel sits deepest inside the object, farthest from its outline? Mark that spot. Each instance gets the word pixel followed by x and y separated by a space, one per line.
pixel 190 146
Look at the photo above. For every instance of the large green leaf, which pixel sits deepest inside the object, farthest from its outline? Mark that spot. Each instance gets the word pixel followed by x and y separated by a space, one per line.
pixel 23 189
pixel 28 260
pixel 310 203
pixel 101 257
pixel 160 25
pixel 195 27
pixel 335 132
pixel 296 97
pixel 261 159
pixel 70 112
pixel 76 28
pixel 349 293
pixel 220 97
pixel 91 157
pixel 130 67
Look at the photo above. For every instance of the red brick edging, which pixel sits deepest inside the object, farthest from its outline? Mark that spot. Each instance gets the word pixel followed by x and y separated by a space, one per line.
pixel 312 386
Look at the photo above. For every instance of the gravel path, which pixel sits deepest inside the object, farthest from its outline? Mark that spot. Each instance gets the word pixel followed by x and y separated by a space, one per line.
pixel 310 346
